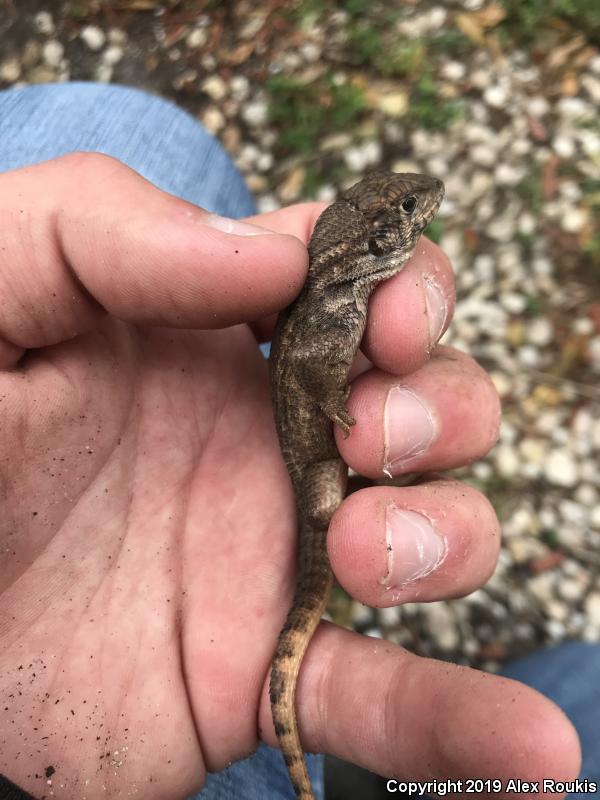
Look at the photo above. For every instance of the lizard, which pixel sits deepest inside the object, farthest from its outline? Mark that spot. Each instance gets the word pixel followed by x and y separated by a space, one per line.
pixel 363 238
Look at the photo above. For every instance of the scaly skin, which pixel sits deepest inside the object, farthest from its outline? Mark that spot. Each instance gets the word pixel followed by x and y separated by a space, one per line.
pixel 362 239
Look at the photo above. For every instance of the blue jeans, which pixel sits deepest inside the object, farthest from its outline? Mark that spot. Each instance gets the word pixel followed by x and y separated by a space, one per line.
pixel 170 149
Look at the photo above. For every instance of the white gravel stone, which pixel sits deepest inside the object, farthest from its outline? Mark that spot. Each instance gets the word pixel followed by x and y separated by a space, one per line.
pixel 542 266
pixel 502 229
pixel 582 326
pixel 533 450
pixel 247 157
pixel 509 175
pixel 572 108
pixel 507 461
pixel 44 23
pixel 573 512
pixel 52 53
pixel 527 224
pixel 538 105
pixel 574 220
pixel 540 331
pixel 529 357
pixel 213 119
pixel 558 610
pixel 117 36
pixel 326 193
pixel 104 73
pixel 586 495
pixel 311 52
pixel 196 38
pixel 453 71
pixel 389 616
pixel 513 302
pixel 112 55
pixel 592 87
pixel 496 96
pixel 255 113
pixel 365 155
pixel 542 587
pixel 563 146
pixel 441 624
pixel 561 469
pixel 10 70
pixel 484 266
pixel 502 382
pixel 592 608
pixel 93 36
pixel 555 630
pixel 595 517
pixel 267 202
pixel 483 154
pixel 594 352
pixel 482 470
pixel 215 87
pixel 240 86
pixel 570 589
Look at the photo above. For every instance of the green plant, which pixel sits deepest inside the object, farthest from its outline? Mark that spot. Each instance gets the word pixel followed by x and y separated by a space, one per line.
pixel 525 21
pixel 429 109
pixel 530 189
pixel 435 230
pixel 304 112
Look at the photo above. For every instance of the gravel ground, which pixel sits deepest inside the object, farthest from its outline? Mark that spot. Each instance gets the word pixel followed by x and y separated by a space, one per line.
pixel 309 96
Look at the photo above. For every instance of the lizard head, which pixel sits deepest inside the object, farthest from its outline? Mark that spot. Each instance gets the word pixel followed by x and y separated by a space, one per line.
pixel 394 208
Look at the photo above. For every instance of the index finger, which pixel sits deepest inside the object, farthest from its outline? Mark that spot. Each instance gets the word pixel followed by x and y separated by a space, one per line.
pixel 84 235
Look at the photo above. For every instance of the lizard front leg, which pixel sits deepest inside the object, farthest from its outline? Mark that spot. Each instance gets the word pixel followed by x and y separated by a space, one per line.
pixel 321 369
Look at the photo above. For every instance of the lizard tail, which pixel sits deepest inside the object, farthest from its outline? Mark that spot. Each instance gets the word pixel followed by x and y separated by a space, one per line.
pixel 310 600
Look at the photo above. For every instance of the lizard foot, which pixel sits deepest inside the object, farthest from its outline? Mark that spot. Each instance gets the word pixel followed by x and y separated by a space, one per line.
pixel 339 416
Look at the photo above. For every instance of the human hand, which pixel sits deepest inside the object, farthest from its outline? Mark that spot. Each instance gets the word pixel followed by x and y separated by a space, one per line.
pixel 147 524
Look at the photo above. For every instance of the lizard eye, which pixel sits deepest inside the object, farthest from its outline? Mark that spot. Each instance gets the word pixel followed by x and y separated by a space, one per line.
pixel 409 204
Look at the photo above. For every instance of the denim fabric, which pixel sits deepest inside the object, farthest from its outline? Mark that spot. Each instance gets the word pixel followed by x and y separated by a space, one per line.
pixel 569 674
pixel 154 137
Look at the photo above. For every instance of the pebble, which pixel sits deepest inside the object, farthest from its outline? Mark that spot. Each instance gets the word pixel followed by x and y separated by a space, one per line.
pixel 44 23
pixel 196 38
pixel 592 608
pixel 540 331
pixel 52 53
pixel 561 468
pixel 366 155
pixel 213 120
pixel 255 113
pixel 496 96
pixel 507 461
pixel 513 302
pixel 93 36
pixel 574 220
pixel 442 626
pixel 215 87
pixel 10 70
pixel 112 55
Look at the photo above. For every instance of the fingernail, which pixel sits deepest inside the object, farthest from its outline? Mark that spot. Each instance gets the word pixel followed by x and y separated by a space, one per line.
pixel 436 308
pixel 414 547
pixel 409 428
pixel 234 226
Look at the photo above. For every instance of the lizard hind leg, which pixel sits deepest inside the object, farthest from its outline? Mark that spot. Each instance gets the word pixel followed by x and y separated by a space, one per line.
pixel 309 603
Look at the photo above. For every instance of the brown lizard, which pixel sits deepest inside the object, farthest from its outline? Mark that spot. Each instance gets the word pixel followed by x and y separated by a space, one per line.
pixel 363 238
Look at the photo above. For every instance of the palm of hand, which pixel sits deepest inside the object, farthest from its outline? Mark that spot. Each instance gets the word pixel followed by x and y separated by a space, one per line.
pixel 147 589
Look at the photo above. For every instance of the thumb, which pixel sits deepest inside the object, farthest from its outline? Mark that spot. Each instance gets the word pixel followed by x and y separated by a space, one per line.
pixel 84 235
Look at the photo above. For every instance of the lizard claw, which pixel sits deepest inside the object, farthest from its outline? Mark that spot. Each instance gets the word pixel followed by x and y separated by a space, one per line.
pixel 343 419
